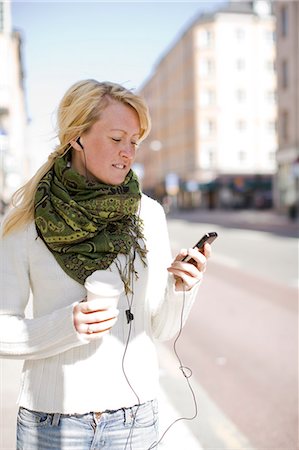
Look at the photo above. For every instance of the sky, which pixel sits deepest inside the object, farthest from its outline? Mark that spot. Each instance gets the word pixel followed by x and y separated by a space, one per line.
pixel 63 42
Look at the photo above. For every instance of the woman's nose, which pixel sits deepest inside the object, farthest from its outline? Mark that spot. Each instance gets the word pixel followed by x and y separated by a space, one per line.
pixel 128 151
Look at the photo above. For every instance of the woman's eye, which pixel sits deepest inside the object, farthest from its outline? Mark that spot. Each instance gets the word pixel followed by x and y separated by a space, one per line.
pixel 119 140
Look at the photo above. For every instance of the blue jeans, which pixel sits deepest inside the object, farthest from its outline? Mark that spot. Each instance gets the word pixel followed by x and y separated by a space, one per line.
pixel 133 428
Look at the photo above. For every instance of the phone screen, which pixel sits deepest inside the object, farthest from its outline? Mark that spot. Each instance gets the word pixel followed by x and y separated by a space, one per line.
pixel 208 237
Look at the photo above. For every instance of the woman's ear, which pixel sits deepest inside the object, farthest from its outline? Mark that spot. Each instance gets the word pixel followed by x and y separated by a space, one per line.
pixel 76 144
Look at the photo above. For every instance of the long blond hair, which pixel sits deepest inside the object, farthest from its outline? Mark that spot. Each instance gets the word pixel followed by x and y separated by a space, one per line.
pixel 79 109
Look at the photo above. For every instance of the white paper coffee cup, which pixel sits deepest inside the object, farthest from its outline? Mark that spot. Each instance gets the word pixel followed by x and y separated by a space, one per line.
pixel 105 286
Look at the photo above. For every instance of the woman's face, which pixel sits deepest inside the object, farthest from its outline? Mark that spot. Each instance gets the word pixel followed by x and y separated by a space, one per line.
pixel 109 146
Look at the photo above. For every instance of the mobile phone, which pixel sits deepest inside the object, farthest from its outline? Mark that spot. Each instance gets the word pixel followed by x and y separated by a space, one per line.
pixel 208 237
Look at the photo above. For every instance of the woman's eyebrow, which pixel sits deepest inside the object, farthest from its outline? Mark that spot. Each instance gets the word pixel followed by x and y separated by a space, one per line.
pixel 123 131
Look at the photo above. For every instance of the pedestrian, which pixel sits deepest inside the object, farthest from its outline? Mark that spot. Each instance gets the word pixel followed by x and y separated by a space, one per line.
pixel 94 252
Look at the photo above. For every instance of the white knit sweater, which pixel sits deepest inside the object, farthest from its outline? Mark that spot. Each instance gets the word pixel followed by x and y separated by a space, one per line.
pixel 64 372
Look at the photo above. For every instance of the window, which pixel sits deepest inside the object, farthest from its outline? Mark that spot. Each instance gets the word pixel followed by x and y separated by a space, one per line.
pixel 284 20
pixel 205 38
pixel 270 36
pixel 207 97
pixel 206 67
pixel 285 125
pixel 211 157
pixel 241 125
pixel 240 64
pixel 240 95
pixel 242 156
pixel 284 74
pixel 240 34
pixel 271 125
pixel 208 157
pixel 208 127
pixel 270 66
pixel 271 97
pixel 1 16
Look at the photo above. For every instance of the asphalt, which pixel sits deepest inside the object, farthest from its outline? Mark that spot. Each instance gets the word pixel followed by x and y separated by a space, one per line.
pixel 261 220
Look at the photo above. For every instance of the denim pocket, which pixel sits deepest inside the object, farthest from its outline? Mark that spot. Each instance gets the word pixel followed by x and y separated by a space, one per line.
pixel 145 415
pixel 33 418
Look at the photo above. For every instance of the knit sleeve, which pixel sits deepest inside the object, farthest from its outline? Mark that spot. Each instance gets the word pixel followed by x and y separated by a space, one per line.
pixel 173 312
pixel 169 308
pixel 22 337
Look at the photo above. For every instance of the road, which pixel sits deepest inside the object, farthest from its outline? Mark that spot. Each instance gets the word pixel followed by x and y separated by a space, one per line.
pixel 240 342
pixel 241 337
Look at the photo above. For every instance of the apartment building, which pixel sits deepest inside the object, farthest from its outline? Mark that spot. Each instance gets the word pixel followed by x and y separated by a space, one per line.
pixel 13 116
pixel 287 40
pixel 212 99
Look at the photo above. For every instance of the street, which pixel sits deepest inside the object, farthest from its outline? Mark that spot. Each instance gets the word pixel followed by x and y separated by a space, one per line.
pixel 240 342
pixel 241 337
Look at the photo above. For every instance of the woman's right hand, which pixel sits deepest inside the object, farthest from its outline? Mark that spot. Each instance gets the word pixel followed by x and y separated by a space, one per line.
pixel 91 320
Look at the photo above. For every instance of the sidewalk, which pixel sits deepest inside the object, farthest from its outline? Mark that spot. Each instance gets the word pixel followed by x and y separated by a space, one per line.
pixel 211 429
pixel 260 220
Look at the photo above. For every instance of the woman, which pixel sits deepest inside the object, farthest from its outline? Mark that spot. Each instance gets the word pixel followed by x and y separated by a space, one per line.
pixel 81 226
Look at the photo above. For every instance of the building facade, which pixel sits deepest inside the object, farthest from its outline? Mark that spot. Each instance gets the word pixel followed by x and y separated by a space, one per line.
pixel 287 180
pixel 13 116
pixel 212 98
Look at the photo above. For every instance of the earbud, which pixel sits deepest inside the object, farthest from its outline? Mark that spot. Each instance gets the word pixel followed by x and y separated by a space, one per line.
pixel 79 143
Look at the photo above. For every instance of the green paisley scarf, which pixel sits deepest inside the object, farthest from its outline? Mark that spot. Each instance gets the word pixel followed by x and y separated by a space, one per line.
pixel 87 224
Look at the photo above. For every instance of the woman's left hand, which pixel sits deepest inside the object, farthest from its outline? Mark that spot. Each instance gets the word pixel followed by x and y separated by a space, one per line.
pixel 188 274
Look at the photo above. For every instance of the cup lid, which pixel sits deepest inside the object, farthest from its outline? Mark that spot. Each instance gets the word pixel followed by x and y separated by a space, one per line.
pixel 104 282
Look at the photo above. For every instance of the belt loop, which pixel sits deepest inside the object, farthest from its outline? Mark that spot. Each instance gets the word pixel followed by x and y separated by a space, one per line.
pixel 128 415
pixel 56 419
